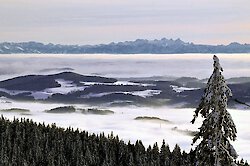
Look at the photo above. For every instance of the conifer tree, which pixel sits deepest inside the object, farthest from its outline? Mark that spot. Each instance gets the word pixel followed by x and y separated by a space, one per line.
pixel 218 127
pixel 176 156
pixel 164 154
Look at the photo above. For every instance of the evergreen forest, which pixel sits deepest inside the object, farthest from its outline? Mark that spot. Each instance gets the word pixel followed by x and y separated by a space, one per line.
pixel 27 143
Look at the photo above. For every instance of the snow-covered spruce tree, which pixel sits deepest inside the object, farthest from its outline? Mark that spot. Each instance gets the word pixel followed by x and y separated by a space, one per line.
pixel 218 127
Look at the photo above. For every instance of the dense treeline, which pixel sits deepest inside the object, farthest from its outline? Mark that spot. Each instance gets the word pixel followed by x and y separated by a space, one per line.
pixel 26 143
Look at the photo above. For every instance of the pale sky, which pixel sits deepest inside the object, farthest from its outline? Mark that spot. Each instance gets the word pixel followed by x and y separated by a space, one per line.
pixel 104 21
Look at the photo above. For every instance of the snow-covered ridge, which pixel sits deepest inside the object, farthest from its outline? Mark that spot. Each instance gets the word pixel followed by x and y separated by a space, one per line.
pixel 138 46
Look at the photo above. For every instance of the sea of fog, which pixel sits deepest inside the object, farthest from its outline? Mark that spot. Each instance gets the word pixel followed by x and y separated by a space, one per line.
pixel 125 66
pixel 123 123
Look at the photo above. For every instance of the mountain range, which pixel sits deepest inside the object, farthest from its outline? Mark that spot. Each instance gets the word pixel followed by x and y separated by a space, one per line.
pixel 139 46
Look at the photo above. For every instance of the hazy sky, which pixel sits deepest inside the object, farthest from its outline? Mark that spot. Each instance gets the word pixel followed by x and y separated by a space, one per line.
pixel 104 21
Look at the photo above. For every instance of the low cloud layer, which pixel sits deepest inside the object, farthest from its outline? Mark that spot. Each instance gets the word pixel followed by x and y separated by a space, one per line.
pixel 122 123
pixel 188 65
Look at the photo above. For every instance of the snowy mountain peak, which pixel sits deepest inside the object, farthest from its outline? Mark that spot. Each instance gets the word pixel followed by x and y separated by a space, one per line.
pixel 138 46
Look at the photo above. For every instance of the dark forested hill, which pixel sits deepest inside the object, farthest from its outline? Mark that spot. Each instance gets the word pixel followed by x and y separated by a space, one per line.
pixel 26 143
pixel 73 88
pixel 139 46
pixel 41 82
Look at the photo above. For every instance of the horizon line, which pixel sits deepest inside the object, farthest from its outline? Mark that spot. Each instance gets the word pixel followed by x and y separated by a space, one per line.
pixel 116 42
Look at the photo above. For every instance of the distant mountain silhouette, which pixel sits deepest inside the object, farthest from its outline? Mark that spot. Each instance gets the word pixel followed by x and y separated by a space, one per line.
pixel 139 46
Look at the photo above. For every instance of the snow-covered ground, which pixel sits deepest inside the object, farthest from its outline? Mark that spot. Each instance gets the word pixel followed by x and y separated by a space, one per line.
pixel 123 123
